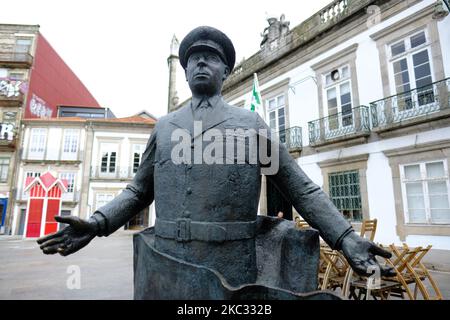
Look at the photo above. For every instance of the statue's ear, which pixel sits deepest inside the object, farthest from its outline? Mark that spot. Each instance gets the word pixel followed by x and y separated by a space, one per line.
pixel 226 73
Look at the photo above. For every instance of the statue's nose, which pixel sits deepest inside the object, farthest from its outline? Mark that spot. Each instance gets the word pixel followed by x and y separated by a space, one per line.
pixel 201 61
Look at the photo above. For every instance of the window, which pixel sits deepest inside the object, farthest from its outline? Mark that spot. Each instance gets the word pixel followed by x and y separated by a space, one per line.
pixel 138 150
pixel 33 174
pixel 70 147
pixel 345 194
pixel 102 199
pixel 425 191
pixel 23 45
pixel 108 159
pixel 70 178
pixel 277 116
pixel 4 169
pixel 37 142
pixel 9 117
pixel 16 76
pixel 410 59
pixel 339 98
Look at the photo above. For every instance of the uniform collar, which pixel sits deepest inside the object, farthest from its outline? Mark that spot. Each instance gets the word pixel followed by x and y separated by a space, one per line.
pixel 205 101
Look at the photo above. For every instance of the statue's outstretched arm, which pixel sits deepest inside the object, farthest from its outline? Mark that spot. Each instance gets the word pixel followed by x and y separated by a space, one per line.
pixel 316 208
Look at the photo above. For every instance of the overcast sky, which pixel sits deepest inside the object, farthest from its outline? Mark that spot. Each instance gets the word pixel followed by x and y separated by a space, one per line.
pixel 119 48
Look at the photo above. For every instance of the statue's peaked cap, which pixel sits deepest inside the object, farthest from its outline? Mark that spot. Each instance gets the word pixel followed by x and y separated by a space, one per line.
pixel 211 39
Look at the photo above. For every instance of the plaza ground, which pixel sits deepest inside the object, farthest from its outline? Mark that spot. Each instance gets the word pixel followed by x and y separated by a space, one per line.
pixel 106 269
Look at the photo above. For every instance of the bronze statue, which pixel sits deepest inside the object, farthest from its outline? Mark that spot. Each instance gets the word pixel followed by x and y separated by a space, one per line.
pixel 206 214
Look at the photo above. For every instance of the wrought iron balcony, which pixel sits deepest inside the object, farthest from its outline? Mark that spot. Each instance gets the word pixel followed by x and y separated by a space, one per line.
pixel 16 59
pixel 291 138
pixel 339 126
pixel 410 106
pixel 114 173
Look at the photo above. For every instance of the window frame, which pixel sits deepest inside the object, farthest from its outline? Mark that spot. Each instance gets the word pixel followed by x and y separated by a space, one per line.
pixel 408 55
pixel 337 86
pixel 276 110
pixel 37 154
pixel 424 181
pixel 330 186
pixel 142 146
pixel 110 147
pixel 73 134
pixel 97 194
pixel 2 166
pixel 62 175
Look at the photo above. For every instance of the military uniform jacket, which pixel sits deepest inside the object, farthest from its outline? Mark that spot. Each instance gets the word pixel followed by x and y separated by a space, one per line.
pixel 216 192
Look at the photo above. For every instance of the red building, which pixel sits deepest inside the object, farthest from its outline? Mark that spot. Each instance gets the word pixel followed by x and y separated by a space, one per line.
pixel 53 83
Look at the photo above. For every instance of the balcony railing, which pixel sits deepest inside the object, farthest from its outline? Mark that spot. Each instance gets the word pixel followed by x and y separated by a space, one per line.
pixel 47 156
pixel 333 11
pixel 112 172
pixel 291 138
pixel 339 125
pixel 16 58
pixel 65 197
pixel 411 104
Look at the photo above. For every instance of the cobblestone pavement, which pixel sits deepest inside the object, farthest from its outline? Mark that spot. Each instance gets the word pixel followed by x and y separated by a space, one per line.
pixel 106 268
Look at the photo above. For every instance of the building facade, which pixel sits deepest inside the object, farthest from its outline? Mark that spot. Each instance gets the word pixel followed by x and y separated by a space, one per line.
pixel 95 157
pixel 359 93
pixel 117 148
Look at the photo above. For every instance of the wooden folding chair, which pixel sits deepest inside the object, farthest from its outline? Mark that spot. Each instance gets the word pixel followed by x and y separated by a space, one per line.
pixel 335 271
pixel 410 270
pixel 368 229
pixel 423 274
pixel 301 224
pixel 358 288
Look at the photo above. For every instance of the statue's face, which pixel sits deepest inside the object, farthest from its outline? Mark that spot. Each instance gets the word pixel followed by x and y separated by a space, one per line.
pixel 206 73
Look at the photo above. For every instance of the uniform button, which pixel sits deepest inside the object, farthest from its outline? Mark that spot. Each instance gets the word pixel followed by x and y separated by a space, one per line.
pixel 189 191
pixel 186 214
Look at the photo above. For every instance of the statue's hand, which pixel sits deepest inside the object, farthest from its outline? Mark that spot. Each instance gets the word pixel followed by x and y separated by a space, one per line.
pixel 360 254
pixel 70 239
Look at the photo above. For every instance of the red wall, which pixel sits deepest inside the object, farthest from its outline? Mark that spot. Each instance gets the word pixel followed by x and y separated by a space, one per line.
pixel 52 83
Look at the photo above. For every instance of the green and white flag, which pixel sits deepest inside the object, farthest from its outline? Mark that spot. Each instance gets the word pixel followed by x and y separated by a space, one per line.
pixel 256 104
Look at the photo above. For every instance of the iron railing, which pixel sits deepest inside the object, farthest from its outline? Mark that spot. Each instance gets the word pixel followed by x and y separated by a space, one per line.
pixel 112 172
pixel 411 104
pixel 291 138
pixel 16 58
pixel 339 125
pixel 65 196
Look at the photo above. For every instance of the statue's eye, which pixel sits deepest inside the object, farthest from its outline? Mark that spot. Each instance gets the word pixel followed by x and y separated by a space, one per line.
pixel 213 58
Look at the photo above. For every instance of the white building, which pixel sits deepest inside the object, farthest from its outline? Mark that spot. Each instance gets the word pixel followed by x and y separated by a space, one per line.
pixel 368 83
pixel 117 148
pixel 56 145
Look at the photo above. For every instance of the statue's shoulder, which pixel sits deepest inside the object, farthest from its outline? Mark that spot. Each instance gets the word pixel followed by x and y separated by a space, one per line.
pixel 240 111
pixel 172 116
pixel 245 116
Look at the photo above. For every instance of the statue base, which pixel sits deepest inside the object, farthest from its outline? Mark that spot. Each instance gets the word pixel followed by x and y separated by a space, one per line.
pixel 287 262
